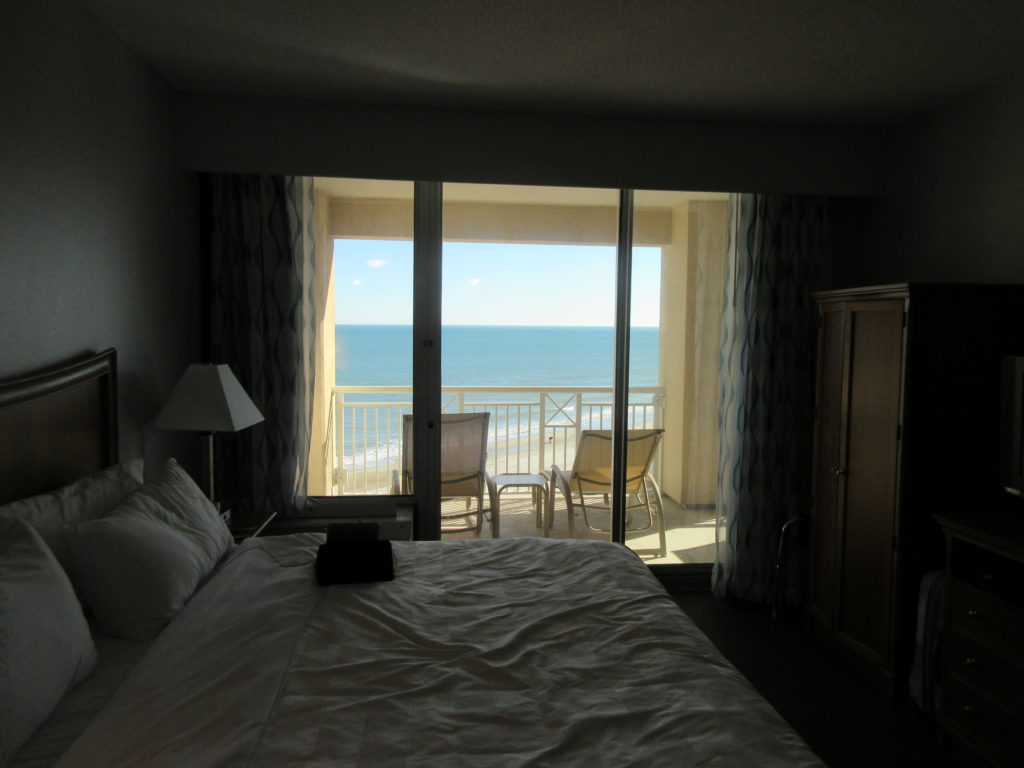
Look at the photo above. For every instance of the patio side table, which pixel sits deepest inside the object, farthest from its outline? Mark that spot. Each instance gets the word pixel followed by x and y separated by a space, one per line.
pixel 538 485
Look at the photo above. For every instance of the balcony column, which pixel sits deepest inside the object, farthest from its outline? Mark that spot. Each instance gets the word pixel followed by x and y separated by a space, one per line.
pixel 691 310
pixel 321 456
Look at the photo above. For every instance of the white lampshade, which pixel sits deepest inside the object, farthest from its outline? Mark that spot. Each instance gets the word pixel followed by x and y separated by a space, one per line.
pixel 208 399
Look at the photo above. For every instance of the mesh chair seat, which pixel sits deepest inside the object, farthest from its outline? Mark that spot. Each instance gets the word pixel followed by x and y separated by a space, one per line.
pixel 463 467
pixel 591 475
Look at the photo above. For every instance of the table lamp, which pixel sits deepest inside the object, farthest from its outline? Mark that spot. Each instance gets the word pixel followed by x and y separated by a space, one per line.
pixel 208 399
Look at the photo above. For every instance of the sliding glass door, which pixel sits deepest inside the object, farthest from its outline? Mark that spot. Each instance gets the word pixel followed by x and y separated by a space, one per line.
pixel 679 247
pixel 527 352
pixel 527 318
pixel 367 230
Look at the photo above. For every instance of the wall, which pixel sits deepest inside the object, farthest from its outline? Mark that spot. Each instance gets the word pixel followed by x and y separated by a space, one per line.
pixel 955 212
pixel 246 134
pixel 98 229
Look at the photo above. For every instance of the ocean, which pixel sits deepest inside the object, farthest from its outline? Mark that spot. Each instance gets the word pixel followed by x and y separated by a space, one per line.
pixel 496 355
pixel 483 356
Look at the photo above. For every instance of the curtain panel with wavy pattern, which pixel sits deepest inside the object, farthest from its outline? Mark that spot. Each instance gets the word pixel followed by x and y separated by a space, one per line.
pixel 776 257
pixel 260 240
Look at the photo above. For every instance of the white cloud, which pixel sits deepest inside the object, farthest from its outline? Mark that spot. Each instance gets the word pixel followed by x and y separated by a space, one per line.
pixel 357 281
pixel 474 281
pixel 377 263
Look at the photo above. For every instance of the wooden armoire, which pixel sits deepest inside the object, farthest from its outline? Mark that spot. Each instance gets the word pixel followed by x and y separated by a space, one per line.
pixel 907 426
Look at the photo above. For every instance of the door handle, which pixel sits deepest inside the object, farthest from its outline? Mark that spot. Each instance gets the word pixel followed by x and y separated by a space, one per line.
pixel 838 471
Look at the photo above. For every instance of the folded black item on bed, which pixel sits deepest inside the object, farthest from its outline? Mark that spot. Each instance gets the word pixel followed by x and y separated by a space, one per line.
pixel 353 562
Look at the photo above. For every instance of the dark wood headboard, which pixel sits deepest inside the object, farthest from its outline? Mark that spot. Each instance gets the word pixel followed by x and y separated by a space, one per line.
pixel 57 425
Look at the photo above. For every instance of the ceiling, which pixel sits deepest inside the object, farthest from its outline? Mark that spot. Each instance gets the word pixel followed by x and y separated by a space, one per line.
pixel 870 62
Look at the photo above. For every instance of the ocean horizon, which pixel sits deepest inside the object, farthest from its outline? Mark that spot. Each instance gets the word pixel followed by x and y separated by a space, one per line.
pixel 496 355
pixel 481 356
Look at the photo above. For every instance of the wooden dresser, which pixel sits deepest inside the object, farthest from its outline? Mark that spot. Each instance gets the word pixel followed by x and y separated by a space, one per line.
pixel 983 681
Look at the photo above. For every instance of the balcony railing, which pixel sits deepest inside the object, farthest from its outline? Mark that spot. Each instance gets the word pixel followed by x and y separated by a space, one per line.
pixel 530 429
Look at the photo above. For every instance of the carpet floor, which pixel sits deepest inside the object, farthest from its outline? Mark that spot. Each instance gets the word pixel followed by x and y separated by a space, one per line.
pixel 844 718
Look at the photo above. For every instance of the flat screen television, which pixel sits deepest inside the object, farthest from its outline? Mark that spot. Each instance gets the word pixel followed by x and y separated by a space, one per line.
pixel 1012 447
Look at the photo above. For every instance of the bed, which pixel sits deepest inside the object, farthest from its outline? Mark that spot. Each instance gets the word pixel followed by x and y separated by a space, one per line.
pixel 479 653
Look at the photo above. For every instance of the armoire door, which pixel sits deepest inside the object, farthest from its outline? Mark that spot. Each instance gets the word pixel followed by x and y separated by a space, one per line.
pixel 868 476
pixel 829 437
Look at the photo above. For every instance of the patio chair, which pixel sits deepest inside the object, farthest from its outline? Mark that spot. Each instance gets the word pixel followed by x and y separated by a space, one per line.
pixel 588 484
pixel 463 469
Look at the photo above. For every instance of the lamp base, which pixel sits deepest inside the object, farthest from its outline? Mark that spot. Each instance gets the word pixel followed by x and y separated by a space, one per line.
pixel 207 471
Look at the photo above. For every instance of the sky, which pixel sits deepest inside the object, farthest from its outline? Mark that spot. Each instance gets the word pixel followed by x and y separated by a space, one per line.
pixel 494 284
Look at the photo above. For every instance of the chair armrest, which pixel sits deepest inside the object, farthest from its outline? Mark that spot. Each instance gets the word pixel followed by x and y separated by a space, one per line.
pixel 492 491
pixel 560 480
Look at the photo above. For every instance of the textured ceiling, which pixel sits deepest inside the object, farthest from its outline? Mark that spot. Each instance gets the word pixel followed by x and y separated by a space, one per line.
pixel 860 61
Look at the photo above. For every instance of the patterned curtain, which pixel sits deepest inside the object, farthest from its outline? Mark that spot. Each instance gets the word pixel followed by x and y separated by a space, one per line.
pixel 263 320
pixel 776 257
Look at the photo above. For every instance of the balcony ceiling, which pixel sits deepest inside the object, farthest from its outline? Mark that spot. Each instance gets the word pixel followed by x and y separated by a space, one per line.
pixel 375 189
pixel 809 61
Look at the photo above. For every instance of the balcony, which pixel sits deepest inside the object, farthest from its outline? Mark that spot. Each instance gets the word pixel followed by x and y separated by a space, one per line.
pixel 530 429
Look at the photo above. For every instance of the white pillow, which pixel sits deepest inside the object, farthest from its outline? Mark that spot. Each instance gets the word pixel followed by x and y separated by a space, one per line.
pixel 184 507
pixel 138 566
pixel 85 499
pixel 45 645
pixel 134 570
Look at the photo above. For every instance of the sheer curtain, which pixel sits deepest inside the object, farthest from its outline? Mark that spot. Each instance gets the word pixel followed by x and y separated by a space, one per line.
pixel 776 258
pixel 260 236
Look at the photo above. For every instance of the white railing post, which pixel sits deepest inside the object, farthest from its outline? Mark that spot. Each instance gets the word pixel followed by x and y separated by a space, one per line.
pixel 579 416
pixel 339 441
pixel 330 460
pixel 543 416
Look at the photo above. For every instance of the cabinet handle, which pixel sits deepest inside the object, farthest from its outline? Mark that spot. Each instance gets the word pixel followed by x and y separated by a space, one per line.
pixel 973 612
pixel 970 661
pixel 968 708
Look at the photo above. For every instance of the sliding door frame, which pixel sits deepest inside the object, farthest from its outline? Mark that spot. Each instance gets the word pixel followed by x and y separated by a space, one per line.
pixel 426 358
pixel 620 381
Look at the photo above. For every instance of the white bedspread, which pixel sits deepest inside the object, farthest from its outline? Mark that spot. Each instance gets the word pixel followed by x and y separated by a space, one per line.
pixel 116 659
pixel 480 653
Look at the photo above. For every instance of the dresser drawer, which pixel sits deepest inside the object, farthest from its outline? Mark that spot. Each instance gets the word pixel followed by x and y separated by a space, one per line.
pixel 983 724
pixel 988 571
pixel 998 679
pixel 985 619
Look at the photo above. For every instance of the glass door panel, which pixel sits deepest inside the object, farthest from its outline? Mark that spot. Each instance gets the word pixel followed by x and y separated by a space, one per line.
pixel 528 308
pixel 367 226
pixel 679 249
